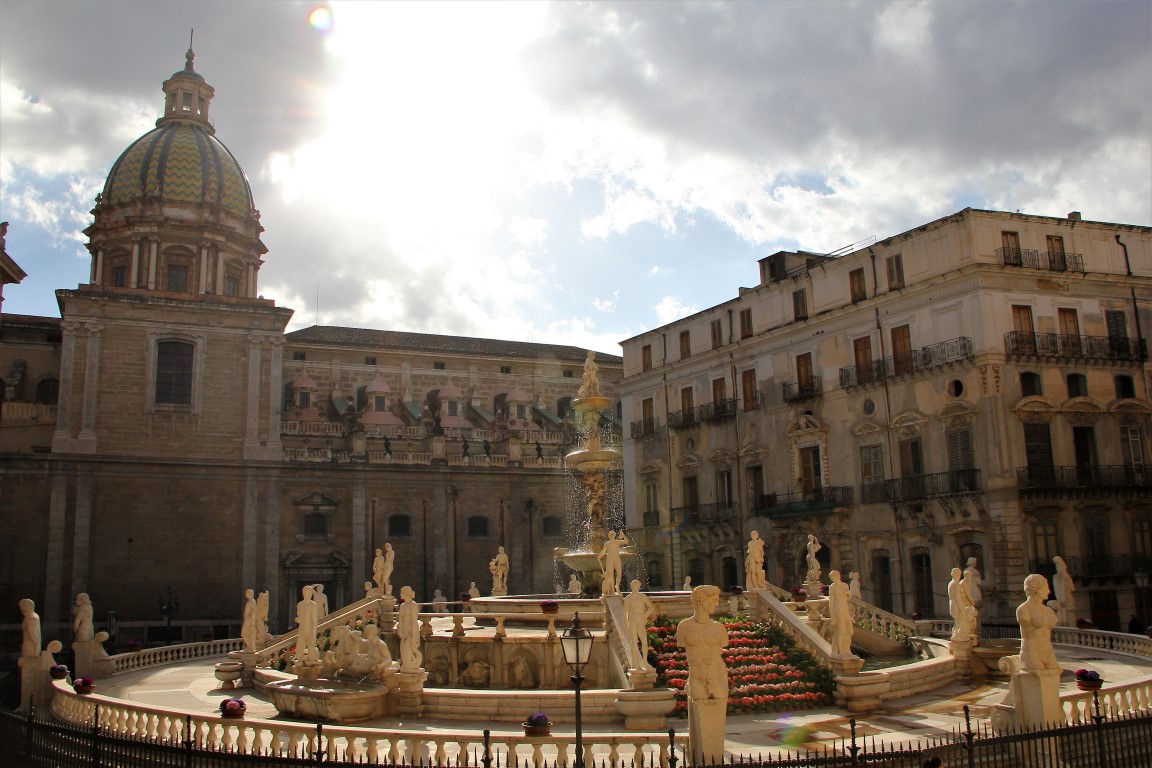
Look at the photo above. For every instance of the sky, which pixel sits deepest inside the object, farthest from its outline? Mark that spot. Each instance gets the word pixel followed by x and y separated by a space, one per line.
pixel 575 172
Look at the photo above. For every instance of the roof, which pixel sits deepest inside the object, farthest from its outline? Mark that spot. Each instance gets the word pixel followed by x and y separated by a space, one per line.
pixel 403 341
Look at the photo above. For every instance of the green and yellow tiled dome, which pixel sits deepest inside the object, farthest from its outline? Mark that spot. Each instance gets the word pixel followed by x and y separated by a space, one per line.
pixel 179 161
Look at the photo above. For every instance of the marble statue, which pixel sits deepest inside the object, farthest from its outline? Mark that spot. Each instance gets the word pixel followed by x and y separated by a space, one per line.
pixel 262 607
pixel 972 579
pixel 1036 621
pixel 82 629
pixel 369 589
pixel 754 563
pixel 611 562
pixel 590 386
pixel 382 566
pixel 306 622
pixel 687 584
pixel 321 601
pixel 971 590
pixel 408 628
pixel 840 611
pixel 704 641
pixel 854 586
pixel 958 603
pixel 499 569
pixel 574 585
pixel 379 658
pixel 597 487
pixel 439 602
pixel 473 590
pixel 638 609
pixel 249 627
pixel 813 562
pixel 1065 589
pixel 30 644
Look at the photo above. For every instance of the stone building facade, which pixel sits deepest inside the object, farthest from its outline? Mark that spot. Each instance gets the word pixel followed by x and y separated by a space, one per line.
pixel 975 387
pixel 166 432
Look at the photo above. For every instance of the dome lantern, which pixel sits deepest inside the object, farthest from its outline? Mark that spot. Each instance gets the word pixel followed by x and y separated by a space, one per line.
pixel 187 95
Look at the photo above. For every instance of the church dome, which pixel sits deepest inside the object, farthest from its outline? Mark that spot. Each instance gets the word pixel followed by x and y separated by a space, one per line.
pixel 179 162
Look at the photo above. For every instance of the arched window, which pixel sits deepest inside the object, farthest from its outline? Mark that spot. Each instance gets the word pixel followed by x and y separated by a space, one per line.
pixel 1030 384
pixel 174 372
pixel 48 391
pixel 477 526
pixel 696 571
pixel 1077 385
pixel 553 526
pixel 654 565
pixel 399 525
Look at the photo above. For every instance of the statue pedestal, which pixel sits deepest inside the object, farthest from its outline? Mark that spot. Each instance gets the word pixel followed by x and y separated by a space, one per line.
pixel 814 589
pixel 646 710
pixel 249 660
pixel 499 592
pixel 34 684
pixel 1039 702
pixel 410 693
pixel 961 649
pixel 91 658
pixel 642 678
pixel 862 692
pixel 847 665
pixel 707 724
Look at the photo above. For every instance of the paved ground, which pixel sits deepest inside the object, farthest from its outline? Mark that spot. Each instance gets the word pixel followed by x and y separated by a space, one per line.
pixel 192 687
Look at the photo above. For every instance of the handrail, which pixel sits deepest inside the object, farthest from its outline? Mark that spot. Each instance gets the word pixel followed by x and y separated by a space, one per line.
pixel 772 611
pixel 623 653
pixel 881 622
pixel 150 657
pixel 341 616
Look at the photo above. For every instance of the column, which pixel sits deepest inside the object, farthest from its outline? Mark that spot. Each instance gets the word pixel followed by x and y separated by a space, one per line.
pixel 153 258
pixel 87 437
pixel 134 275
pixel 272 551
pixel 275 395
pixel 81 534
pixel 359 546
pixel 251 281
pixel 219 287
pixel 97 267
pixel 203 268
pixel 62 437
pixel 54 553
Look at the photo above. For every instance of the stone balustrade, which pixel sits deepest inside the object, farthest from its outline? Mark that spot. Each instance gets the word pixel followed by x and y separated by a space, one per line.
pixel 1133 696
pixel 882 622
pixel 150 657
pixel 1116 642
pixel 253 736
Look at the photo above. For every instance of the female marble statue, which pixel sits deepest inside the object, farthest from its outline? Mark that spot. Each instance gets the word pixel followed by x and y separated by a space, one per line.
pixel 704 641
pixel 262 607
pixel 754 563
pixel 1065 589
pixel 1036 621
pixel 82 623
pixel 854 586
pixel 408 628
pixel 500 576
pixel 971 581
pixel 813 561
pixel 249 627
pixel 841 614
pixel 382 566
pixel 958 602
pixel 306 622
pixel 30 646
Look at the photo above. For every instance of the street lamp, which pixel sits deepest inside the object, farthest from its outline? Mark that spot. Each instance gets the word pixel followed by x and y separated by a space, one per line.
pixel 576 643
pixel 168 607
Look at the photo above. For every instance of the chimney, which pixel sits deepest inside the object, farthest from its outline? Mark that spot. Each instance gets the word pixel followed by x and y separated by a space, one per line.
pixel 1074 216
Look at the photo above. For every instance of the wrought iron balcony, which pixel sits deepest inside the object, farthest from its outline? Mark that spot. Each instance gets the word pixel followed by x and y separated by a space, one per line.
pixel 1085 476
pixel 917 361
pixel 805 390
pixel 717 411
pixel 929 486
pixel 645 428
pixel 1052 261
pixel 818 501
pixel 1056 346
pixel 682 419
pixel 704 514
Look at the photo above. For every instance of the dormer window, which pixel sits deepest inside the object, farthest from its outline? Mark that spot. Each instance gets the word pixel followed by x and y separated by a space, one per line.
pixel 453 408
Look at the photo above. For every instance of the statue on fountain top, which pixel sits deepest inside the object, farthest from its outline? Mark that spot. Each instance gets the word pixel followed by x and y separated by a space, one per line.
pixel 382 567
pixel 597 486
pixel 408 628
pixel 499 569
pixel 813 562
pixel 591 384
pixel 611 562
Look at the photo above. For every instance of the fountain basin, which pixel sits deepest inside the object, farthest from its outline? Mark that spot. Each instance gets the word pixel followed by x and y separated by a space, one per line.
pixel 329 700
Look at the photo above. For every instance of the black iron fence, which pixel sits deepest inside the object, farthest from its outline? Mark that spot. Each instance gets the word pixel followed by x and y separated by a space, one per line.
pixel 1053 261
pixel 1105 742
pixel 1085 476
pixel 811 502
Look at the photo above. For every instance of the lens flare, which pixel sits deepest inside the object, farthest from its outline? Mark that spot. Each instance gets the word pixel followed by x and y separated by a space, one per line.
pixel 320 18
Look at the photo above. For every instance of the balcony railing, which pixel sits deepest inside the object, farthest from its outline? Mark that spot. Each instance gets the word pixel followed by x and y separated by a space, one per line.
pixel 1052 261
pixel 703 514
pixel 818 501
pixel 682 419
pixel 919 360
pixel 1058 346
pixel 644 428
pixel 1096 565
pixel 805 390
pixel 914 487
pixel 717 411
pixel 1084 476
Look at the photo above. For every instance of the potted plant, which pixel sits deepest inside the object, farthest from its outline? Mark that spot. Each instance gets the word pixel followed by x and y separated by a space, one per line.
pixel 1088 679
pixel 58 672
pixel 538 724
pixel 549 606
pixel 233 707
pixel 84 685
pixel 134 646
pixel 799 595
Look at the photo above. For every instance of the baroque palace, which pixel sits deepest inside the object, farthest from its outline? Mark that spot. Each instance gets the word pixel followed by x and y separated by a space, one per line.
pixel 977 387
pixel 165 445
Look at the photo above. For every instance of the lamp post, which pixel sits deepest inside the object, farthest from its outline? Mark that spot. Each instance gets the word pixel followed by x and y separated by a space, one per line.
pixel 576 643
pixel 168 607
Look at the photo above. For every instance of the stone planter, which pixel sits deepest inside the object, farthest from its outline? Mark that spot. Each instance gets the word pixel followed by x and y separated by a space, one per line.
pixel 549 608
pixel 234 714
pixel 229 673
pixel 59 672
pixel 84 688
pixel 1089 685
pixel 537 730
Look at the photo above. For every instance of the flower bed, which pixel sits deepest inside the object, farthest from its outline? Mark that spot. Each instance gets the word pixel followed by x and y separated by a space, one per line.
pixel 766 672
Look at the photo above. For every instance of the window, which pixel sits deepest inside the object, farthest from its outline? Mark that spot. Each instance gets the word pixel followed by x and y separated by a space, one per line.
pixel 177 278
pixel 438 365
pixel 1096 545
pixel 748 389
pixel 655 567
pixel 380 403
pixel 505 369
pixel 565 403
pixel 1010 246
pixel 1117 334
pixel 1046 540
pixel 717 327
pixel 1125 386
pixel 1084 449
pixel 687 404
pixel 800 304
pixel 696 570
pixel 902 349
pixel 1077 385
pixel 1030 384
pixel 521 411
pixel 299 356
pixel 895 266
pixel 315 525
pixel 755 477
pixel 553 527
pixel 1142 537
pixel 477 526
pixel 923 598
pixel 651 504
pixel 48 391
pixel 862 354
pixel 960 454
pixel 304 399
pixel 1038 453
pixel 646 357
pixel 119 277
pixel 566 373
pixel 746 323
pixel 174 372
pixel 691 491
pixel 804 372
pixel 399 525
pixel 685 344
pixel 911 457
pixel 647 415
pixel 856 285
pixel 882 579
pixel 1069 331
pixel 811 472
pixel 1132 452
pixel 368 360
pixel 724 487
pixel 719 394
pixel 871 464
pixel 453 408
pixel 1056 260
pixel 231 285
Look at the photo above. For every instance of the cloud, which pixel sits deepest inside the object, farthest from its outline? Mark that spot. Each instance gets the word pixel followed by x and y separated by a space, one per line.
pixel 607 305
pixel 673 308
